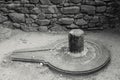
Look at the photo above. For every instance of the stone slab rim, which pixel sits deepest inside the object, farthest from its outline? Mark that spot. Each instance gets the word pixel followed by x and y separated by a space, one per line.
pixel 105 60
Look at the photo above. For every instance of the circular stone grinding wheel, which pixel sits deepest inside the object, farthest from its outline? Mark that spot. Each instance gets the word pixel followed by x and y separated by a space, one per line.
pixel 77 55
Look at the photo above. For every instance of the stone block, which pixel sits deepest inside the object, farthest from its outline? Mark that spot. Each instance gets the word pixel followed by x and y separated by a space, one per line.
pixel 103 19
pixel 100 3
pixel 48 16
pixel 81 22
pixel 91 25
pixel 43 28
pixel 44 22
pixel 28 28
pixel 3 18
pixel 41 16
pixel 70 10
pixel 24 1
pixel 95 19
pixel 22 10
pixel 50 9
pixel 34 1
pixel 88 9
pixel 45 2
pixel 36 10
pixel 33 16
pixel 57 27
pixel 17 17
pixel 72 26
pixel 87 17
pixel 66 20
pixel 79 16
pixel 57 1
pixel 101 9
pixel 76 1
pixel 16 25
pixel 89 2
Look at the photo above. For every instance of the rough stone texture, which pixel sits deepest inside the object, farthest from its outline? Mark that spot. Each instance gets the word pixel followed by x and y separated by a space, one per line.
pixel 88 9
pixel 43 28
pixel 73 26
pixel 17 17
pixel 57 1
pixel 76 1
pixel 2 18
pixel 70 10
pixel 101 9
pixel 34 1
pixel 64 13
pixel 66 20
pixel 81 22
pixel 43 22
pixel 45 2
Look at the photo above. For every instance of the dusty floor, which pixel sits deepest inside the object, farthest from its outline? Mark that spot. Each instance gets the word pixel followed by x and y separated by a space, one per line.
pixel 29 71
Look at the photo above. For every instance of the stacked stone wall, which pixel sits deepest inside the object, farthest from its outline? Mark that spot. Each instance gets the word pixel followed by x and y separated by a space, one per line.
pixel 56 15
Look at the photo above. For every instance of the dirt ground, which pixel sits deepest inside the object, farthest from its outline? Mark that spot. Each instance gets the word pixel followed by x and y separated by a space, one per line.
pixel 10 70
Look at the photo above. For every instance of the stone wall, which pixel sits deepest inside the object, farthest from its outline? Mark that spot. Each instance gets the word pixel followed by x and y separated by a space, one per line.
pixel 56 15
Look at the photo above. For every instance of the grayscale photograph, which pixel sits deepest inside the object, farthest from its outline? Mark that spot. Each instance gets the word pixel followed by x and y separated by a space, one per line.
pixel 59 39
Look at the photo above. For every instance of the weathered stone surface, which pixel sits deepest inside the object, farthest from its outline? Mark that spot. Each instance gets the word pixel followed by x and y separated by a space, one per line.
pixel 101 9
pixel 81 22
pixel 22 10
pixel 7 24
pixel 88 9
pixel 12 6
pixel 50 9
pixel 16 25
pixel 43 22
pixel 87 17
pixel 66 20
pixel 57 27
pixel 24 1
pixel 103 19
pixel 29 20
pixel 76 1
pixel 2 18
pixel 36 10
pixel 34 1
pixel 17 17
pixel 48 16
pixel 72 26
pixel 95 19
pixel 91 25
pixel 43 28
pixel 29 6
pixel 41 16
pixel 33 16
pixel 100 3
pixel 79 16
pixel 57 1
pixel 45 2
pixel 28 27
pixel 70 10
pixel 89 2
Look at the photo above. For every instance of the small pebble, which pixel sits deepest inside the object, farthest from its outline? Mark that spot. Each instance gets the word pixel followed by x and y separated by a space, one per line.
pixel 4 61
pixel 41 64
pixel 61 75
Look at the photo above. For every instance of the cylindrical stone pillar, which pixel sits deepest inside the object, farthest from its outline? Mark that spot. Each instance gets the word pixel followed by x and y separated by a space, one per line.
pixel 76 41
